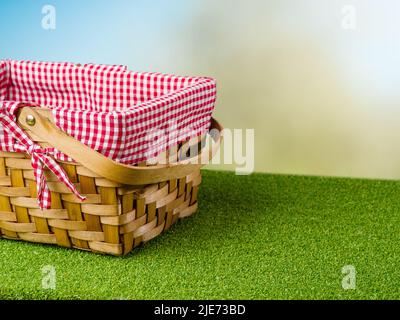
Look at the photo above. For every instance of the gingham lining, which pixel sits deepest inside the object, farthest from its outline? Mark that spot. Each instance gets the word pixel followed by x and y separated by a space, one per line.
pixel 110 109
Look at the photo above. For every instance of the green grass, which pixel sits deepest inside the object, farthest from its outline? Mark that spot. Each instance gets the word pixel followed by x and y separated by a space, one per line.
pixel 254 237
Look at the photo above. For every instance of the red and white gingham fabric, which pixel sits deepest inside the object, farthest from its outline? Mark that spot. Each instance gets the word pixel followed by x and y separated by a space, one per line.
pixel 127 116
pixel 39 157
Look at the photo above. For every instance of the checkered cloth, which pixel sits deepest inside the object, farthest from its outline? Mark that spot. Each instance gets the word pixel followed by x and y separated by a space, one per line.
pixel 40 157
pixel 127 116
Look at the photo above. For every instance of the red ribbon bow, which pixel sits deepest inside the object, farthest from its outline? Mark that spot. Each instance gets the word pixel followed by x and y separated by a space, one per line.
pixel 40 157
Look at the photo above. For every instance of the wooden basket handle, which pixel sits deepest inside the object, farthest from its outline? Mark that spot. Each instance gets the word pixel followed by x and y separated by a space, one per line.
pixel 45 129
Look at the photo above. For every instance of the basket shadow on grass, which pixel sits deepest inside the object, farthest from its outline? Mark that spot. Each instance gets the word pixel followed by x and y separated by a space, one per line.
pixel 231 208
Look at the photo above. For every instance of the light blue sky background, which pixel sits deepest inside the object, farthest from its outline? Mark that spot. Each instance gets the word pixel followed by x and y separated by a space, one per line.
pixel 128 32
pixel 322 99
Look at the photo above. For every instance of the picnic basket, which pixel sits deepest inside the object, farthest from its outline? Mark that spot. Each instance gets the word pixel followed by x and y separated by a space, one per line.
pixel 125 204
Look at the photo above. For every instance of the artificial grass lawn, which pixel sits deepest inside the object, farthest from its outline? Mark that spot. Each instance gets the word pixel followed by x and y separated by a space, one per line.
pixel 254 237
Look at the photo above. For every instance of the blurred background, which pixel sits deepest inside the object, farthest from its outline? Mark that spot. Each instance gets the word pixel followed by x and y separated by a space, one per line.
pixel 318 80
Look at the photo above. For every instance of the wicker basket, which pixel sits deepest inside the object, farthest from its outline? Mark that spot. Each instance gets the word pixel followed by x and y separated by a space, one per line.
pixel 125 205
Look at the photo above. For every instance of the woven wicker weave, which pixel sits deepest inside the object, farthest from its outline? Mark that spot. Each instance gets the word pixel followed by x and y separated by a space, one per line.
pixel 116 216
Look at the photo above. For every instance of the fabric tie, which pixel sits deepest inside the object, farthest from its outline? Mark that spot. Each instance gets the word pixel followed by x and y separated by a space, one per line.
pixel 40 157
